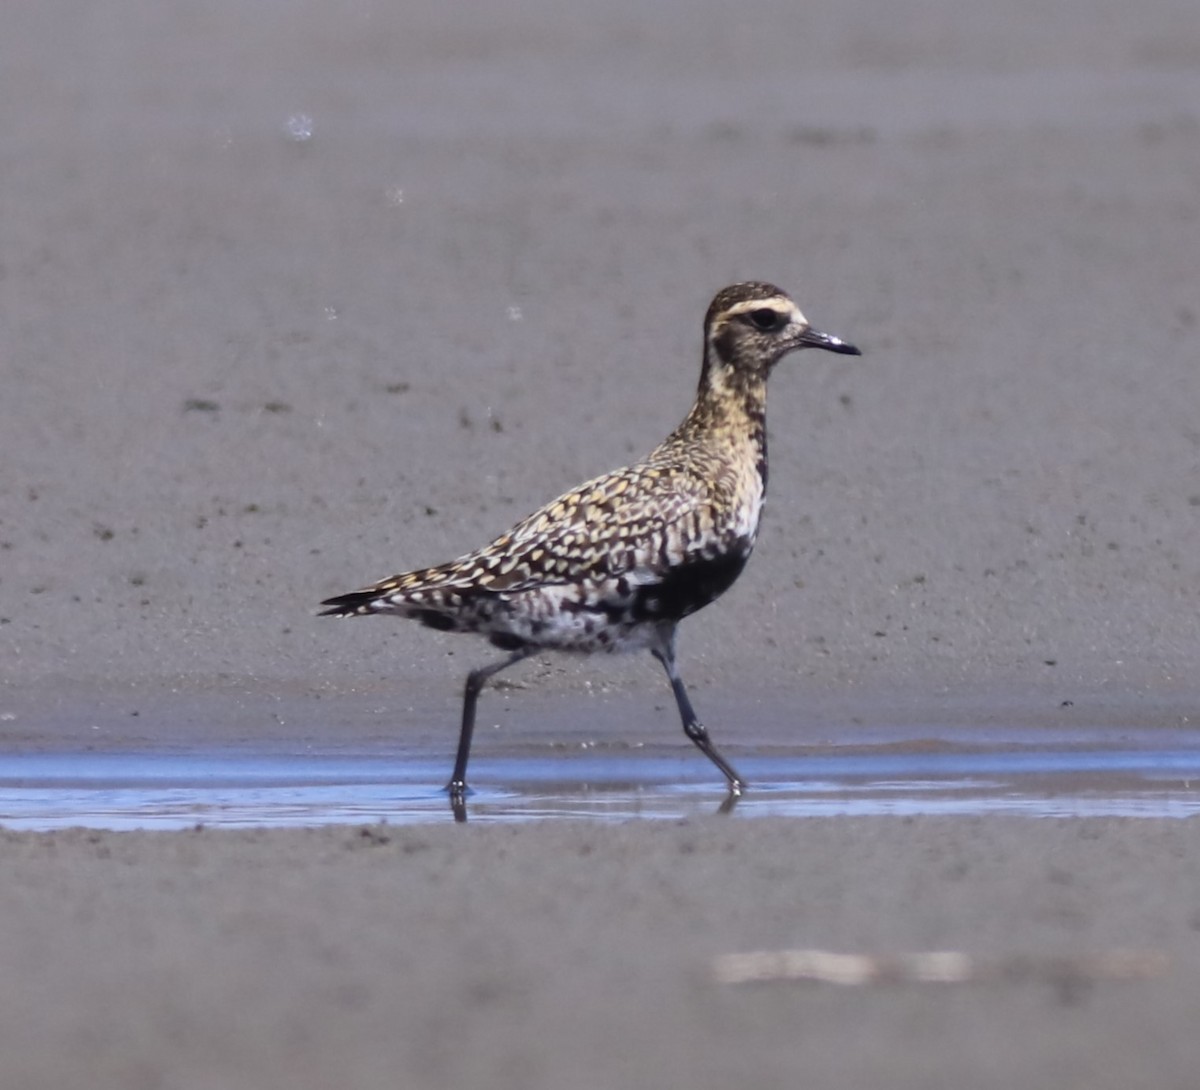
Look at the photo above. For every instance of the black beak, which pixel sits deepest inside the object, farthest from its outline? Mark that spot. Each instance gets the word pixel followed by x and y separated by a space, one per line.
pixel 814 338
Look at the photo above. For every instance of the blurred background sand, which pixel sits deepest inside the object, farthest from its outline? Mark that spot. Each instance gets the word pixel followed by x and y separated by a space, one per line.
pixel 298 295
pixel 567 954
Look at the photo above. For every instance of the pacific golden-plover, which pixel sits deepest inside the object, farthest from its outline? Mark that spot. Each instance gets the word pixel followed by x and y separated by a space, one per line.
pixel 617 563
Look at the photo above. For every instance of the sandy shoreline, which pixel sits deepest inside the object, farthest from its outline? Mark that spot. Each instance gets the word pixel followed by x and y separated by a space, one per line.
pixel 397 716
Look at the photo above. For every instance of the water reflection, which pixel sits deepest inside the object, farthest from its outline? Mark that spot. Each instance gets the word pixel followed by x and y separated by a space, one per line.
pixel 173 791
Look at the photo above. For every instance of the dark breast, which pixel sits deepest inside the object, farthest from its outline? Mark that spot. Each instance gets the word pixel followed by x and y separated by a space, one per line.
pixel 688 587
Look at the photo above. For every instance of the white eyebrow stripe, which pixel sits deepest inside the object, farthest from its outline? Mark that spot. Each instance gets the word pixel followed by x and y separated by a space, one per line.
pixel 780 306
pixel 776 303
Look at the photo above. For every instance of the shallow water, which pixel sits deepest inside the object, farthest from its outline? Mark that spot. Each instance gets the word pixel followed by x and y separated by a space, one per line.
pixel 230 790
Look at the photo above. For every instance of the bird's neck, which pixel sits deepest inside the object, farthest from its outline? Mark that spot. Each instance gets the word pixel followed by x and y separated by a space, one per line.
pixel 730 411
pixel 734 401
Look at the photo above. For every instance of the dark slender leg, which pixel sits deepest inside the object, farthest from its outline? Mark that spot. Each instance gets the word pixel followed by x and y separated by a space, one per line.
pixel 692 727
pixel 475 681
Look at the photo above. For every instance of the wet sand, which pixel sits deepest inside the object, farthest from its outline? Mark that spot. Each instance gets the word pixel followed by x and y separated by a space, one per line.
pixel 294 297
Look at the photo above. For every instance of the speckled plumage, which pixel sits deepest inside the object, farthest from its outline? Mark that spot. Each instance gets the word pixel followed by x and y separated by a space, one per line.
pixel 616 563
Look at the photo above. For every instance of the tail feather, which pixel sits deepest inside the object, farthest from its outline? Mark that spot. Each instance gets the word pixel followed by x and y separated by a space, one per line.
pixel 356 604
pixel 362 603
pixel 409 594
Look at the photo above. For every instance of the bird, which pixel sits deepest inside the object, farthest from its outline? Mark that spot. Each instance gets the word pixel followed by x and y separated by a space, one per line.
pixel 616 563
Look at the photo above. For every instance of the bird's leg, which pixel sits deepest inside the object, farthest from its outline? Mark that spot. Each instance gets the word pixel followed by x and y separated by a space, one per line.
pixel 475 682
pixel 692 727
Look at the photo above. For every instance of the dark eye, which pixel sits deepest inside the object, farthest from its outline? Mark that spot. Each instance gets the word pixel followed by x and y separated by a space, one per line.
pixel 767 320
